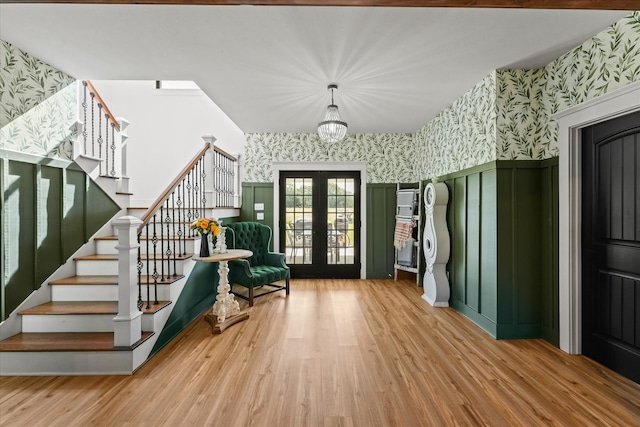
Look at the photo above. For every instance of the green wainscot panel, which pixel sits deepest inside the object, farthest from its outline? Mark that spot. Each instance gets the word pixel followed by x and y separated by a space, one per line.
pixel 503 266
pixel 49 212
pixel 380 214
pixel 549 252
pixel 198 296
pixel 261 193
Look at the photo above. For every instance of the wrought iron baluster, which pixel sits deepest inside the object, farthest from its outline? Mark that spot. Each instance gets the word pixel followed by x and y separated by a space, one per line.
pixel 84 118
pixel 203 172
pixel 173 208
pixel 93 126
pixel 168 252
pixel 100 140
pixel 189 220
pixel 148 264
pixel 182 249
pixel 113 149
pixel 106 147
pixel 196 201
pixel 139 265
pixel 154 241
pixel 161 243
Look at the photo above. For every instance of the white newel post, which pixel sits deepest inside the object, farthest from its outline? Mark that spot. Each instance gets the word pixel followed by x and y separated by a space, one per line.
pixel 237 196
pixel 124 178
pixel 128 322
pixel 78 143
pixel 210 191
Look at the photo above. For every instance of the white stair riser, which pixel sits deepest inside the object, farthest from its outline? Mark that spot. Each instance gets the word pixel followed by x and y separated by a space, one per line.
pixel 108 247
pixel 75 362
pixel 110 267
pixel 84 293
pixel 68 323
pixel 107 292
pixel 155 322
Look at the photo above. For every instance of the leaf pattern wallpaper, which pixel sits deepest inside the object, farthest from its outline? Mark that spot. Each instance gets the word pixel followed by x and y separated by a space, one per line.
pixel 461 136
pixel 37 105
pixel 389 157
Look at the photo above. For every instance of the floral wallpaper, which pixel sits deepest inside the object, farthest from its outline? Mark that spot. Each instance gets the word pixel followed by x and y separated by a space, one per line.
pixel 462 136
pixel 37 105
pixel 389 157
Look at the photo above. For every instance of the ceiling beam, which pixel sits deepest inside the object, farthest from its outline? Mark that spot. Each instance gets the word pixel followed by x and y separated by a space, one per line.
pixel 510 4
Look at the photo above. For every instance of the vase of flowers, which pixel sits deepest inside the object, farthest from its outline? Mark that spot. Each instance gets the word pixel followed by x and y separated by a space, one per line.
pixel 206 227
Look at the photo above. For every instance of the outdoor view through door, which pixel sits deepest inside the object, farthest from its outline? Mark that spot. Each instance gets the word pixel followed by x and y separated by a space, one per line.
pixel 320 223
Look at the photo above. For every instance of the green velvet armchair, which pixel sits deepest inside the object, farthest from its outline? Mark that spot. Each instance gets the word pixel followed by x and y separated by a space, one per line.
pixel 263 268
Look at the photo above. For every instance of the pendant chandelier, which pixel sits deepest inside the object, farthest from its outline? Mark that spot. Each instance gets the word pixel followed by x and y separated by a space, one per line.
pixel 332 128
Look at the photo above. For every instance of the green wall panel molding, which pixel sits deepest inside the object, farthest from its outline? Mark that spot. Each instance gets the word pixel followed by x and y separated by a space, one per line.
pixel 50 209
pixel 503 266
pixel 257 192
pixel 549 304
pixel 381 200
pixel 198 296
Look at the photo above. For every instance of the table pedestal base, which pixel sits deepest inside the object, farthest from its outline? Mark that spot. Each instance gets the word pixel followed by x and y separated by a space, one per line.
pixel 218 328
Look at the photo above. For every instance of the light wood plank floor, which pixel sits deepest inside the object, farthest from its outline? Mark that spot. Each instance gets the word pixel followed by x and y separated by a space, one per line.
pixel 337 353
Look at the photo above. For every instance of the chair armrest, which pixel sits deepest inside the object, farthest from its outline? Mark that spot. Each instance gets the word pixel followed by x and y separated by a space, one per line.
pixel 275 259
pixel 241 264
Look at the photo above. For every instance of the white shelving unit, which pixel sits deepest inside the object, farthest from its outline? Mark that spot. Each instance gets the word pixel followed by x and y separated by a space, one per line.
pixel 408 209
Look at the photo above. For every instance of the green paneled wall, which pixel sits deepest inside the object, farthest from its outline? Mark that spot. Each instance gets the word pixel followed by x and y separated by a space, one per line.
pixel 48 212
pixel 380 213
pixel 549 310
pixel 503 267
pixel 472 265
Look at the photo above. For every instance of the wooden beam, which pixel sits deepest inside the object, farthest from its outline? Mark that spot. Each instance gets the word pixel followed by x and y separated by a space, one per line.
pixel 509 4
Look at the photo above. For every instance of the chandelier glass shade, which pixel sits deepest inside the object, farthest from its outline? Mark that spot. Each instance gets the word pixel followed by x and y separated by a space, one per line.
pixel 332 128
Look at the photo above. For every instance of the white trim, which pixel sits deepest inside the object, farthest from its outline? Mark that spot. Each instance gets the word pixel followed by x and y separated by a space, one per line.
pixel 618 103
pixel 324 166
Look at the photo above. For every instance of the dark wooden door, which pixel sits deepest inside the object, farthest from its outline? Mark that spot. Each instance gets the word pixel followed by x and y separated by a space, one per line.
pixel 320 223
pixel 611 244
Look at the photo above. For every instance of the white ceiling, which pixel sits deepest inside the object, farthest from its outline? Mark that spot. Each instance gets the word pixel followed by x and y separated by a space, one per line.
pixel 267 67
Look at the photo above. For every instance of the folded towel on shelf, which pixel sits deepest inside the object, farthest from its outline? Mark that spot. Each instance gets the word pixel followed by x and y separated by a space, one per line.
pixel 403 233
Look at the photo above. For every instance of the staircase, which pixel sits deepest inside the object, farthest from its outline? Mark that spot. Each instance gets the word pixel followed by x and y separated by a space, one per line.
pixel 107 314
pixel 74 332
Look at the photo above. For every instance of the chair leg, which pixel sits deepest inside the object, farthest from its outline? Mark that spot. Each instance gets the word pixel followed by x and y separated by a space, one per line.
pixel 286 287
pixel 250 297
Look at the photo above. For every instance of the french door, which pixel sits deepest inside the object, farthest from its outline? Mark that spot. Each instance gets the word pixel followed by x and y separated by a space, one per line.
pixel 320 223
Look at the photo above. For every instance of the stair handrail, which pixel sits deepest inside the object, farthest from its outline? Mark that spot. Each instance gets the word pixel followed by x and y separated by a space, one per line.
pixel 153 209
pixel 112 163
pixel 182 202
pixel 102 104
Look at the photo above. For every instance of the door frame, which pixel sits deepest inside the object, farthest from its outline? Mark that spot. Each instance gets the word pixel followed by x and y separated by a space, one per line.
pixel 324 166
pixel 570 123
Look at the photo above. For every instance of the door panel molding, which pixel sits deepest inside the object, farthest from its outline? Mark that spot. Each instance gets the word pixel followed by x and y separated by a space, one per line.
pixel 324 166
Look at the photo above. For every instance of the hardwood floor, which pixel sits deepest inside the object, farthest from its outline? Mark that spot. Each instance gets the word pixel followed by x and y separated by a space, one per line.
pixel 337 353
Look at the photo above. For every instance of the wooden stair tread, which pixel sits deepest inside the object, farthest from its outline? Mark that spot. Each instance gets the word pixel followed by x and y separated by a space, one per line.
pixel 114 257
pixel 66 341
pixel 85 307
pixel 86 280
pixel 110 280
pixel 73 307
